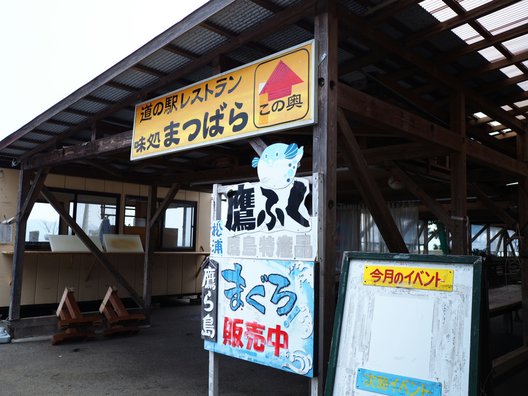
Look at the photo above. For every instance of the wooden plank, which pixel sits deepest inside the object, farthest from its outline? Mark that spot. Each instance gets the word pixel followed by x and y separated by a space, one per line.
pixel 30 279
pixel 126 267
pixel 88 277
pixel 509 361
pixel 159 275
pixel 88 242
pixel 68 273
pixel 504 299
pixel 174 275
pixel 33 327
pixel 369 189
pixel 46 291
pixel 189 275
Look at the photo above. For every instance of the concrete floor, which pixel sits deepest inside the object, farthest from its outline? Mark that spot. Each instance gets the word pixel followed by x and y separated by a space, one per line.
pixel 165 359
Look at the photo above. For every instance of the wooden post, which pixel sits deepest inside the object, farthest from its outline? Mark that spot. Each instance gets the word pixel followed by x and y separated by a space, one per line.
pixel 324 166
pixel 522 153
pixel 18 255
pixel 147 262
pixel 458 164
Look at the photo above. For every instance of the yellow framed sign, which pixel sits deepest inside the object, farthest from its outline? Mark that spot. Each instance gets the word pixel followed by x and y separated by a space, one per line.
pixel 426 278
pixel 272 94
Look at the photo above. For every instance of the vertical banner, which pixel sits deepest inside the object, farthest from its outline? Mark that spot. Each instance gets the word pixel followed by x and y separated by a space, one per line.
pixel 209 300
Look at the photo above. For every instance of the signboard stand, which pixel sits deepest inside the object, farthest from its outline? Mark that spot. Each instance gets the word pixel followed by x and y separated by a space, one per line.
pixel 259 284
pixel 406 325
pixel 214 362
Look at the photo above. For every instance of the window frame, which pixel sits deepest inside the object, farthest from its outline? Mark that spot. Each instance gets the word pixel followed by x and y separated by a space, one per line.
pixel 161 223
pixel 64 229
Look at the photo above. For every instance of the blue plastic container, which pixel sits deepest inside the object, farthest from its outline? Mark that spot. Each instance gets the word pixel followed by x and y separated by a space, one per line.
pixel 4 336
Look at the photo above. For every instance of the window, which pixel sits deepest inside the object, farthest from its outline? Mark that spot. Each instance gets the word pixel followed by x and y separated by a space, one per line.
pixel 42 222
pixel 176 228
pixel 88 210
pixel 179 226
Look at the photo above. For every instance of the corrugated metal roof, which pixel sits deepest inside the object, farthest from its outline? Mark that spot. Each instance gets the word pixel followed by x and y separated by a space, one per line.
pixel 199 41
pixel 110 93
pixel 507 18
pixel 288 37
pixel 241 15
pixel 164 61
pixel 136 79
pixel 459 49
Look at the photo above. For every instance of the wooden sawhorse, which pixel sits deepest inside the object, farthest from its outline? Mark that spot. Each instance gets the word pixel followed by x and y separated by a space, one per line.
pixel 75 325
pixel 119 320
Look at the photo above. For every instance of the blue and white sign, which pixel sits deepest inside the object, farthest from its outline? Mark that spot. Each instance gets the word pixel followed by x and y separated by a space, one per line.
pixel 266 313
pixel 264 238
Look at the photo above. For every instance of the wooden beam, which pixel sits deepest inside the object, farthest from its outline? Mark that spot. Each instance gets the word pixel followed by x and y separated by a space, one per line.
pixel 164 204
pixel 324 168
pixel 369 189
pixel 33 193
pixel 50 197
pixel 403 151
pixel 258 145
pixel 479 233
pixel 103 146
pixel 498 211
pixel 440 213
pixel 389 117
pixel 509 361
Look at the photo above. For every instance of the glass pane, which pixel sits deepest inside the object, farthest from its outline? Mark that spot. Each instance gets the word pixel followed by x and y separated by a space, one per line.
pixel 42 221
pixel 178 231
pixel 95 214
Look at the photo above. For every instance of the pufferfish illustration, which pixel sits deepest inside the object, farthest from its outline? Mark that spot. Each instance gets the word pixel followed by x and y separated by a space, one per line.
pixel 277 165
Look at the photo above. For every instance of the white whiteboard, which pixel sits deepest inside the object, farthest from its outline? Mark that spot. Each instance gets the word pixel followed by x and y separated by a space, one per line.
pixel 406 333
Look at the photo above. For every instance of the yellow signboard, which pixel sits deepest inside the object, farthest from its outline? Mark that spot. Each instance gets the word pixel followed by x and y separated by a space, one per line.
pixel 274 93
pixel 408 277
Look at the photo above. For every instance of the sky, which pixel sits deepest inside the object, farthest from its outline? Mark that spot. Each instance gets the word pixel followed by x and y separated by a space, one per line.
pixel 50 48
